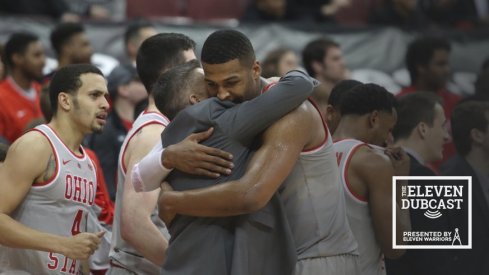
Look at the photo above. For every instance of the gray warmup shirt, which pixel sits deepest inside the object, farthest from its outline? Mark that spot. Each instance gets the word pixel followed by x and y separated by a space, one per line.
pixel 257 243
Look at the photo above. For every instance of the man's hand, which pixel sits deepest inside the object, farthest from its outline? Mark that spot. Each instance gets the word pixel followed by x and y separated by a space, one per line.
pixel 193 158
pixel 165 214
pixel 399 160
pixel 81 246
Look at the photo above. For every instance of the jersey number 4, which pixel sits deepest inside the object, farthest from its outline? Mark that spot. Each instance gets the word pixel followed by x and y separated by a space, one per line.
pixel 75 228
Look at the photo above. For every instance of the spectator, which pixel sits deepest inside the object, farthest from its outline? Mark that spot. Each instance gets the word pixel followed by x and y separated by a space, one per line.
pixel 470 128
pixel 57 9
pixel 271 10
pixel 400 13
pixel 421 133
pixel 19 93
pixel 279 62
pixel 427 61
pixel 2 66
pixel 125 90
pixel 136 32
pixel 71 44
pixel 323 60
pixel 482 82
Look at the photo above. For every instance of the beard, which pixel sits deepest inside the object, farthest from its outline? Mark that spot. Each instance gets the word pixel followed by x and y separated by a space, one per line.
pixel 31 73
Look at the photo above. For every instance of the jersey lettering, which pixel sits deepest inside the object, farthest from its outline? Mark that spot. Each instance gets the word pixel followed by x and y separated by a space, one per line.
pixel 53 261
pixel 65 265
pixel 75 228
pixel 79 189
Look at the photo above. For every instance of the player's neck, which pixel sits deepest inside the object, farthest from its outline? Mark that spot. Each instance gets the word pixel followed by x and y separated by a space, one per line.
pixel 151 105
pixel 350 127
pixel 68 132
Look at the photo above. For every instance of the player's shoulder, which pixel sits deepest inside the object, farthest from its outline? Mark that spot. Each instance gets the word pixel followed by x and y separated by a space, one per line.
pixel 370 159
pixel 32 143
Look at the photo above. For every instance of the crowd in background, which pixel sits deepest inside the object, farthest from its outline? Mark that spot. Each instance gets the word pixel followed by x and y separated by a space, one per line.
pixel 24 100
pixel 410 14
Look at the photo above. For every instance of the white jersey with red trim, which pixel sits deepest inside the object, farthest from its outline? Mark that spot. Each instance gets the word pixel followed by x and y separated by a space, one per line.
pixel 58 206
pixel 121 253
pixel 314 204
pixel 371 259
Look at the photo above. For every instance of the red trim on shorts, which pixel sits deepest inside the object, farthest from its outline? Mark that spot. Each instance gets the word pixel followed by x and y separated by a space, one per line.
pixel 124 168
pixel 325 126
pixel 67 148
pixel 345 175
pixel 51 179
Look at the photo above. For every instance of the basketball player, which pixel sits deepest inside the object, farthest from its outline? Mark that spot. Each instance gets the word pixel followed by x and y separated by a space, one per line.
pixel 367 116
pixel 298 144
pixel 48 183
pixel 139 237
pixel 227 245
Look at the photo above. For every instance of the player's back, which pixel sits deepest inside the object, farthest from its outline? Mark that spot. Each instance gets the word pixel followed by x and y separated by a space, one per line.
pixel 315 205
pixel 371 259
pixel 121 253
pixel 58 206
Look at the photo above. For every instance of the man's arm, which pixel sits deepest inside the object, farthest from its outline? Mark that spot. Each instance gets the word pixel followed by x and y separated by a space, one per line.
pixel 268 168
pixel 187 156
pixel 136 226
pixel 379 185
pixel 19 171
pixel 254 116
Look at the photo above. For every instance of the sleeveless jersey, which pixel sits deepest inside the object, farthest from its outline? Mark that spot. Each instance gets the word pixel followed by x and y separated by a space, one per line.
pixel 371 259
pixel 121 253
pixel 314 204
pixel 58 206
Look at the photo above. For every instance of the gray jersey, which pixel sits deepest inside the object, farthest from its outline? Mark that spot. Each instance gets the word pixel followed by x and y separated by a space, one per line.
pixel 121 253
pixel 58 206
pixel 315 205
pixel 371 258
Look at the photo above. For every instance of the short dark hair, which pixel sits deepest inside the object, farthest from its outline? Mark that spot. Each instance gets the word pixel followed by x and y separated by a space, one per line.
pixel 225 45
pixel 466 116
pixel 17 44
pixel 421 51
pixel 366 98
pixel 340 89
pixel 132 30
pixel 316 50
pixel 159 53
pixel 171 90
pixel 67 79
pixel 411 110
pixel 62 33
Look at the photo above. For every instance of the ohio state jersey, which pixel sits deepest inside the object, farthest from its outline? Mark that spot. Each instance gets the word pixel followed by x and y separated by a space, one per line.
pixel 58 206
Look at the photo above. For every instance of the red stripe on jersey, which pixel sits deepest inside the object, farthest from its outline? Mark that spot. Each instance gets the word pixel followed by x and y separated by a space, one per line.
pixel 325 126
pixel 124 168
pixel 345 175
pixel 67 148
pixel 51 179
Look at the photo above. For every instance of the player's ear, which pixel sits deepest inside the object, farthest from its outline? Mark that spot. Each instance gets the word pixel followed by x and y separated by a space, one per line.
pixel 373 118
pixel 256 70
pixel 193 99
pixel 65 101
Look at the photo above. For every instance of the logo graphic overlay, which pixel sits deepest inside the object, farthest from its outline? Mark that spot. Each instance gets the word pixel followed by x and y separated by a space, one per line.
pixel 440 209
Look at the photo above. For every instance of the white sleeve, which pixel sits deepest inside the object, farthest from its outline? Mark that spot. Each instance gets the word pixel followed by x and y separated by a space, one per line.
pixel 148 174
